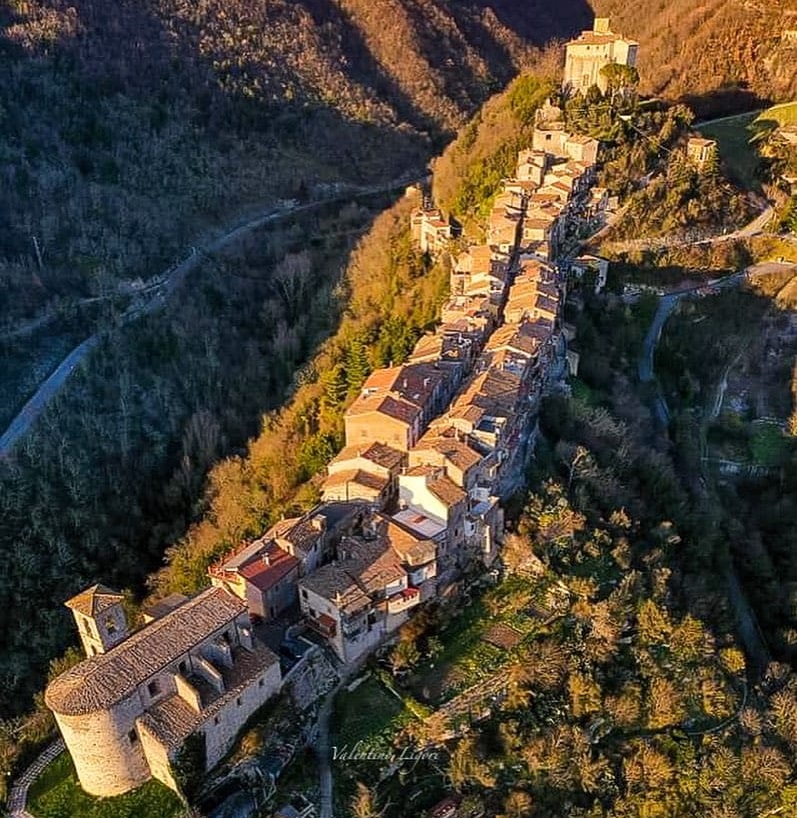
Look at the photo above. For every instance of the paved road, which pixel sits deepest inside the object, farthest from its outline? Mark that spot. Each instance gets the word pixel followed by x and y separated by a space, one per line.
pixel 753 228
pixel 667 304
pixel 22 423
pixel 159 293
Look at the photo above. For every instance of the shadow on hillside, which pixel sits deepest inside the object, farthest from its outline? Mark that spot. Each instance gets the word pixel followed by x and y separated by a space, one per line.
pixel 720 102
pixel 539 21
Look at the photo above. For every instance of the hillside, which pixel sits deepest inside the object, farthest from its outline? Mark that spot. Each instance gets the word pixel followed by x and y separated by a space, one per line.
pixel 129 130
pixel 717 53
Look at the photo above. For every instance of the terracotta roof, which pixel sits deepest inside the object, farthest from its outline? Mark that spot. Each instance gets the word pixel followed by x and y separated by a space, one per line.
pixel 165 605
pixel 422 470
pixel 373 564
pixel 411 548
pixel 368 480
pixel 93 601
pixel 512 338
pixel 389 405
pixel 335 584
pixel 449 449
pixel 270 566
pixel 377 453
pixel 101 681
pixel 447 491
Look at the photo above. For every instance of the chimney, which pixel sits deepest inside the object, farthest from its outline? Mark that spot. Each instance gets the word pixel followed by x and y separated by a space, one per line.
pixel 319 522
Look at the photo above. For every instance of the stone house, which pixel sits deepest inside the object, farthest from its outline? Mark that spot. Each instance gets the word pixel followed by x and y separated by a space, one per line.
pixel 699 150
pixel 591 51
pixel 430 231
pixel 368 473
pixel 126 711
pixel 429 490
pixel 396 404
pixel 371 590
pixel 264 573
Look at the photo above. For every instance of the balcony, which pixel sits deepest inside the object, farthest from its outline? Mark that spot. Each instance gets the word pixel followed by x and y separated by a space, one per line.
pixel 403 601
pixel 323 624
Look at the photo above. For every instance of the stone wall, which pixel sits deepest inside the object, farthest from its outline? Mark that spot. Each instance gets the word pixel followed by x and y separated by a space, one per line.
pixel 106 748
pixel 222 729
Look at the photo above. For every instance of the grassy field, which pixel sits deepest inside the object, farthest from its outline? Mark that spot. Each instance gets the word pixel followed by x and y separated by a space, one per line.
pixel 733 137
pixel 785 114
pixel 468 657
pixel 56 794
pixel 369 714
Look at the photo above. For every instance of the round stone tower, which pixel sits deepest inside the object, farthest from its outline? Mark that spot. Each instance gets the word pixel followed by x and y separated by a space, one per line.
pixel 103 741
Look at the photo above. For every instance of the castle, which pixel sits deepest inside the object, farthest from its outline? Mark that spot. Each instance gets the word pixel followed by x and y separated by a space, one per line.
pixel 592 51
pixel 127 709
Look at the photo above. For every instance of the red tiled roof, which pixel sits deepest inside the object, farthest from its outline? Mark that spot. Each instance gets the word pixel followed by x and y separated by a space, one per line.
pixel 265 575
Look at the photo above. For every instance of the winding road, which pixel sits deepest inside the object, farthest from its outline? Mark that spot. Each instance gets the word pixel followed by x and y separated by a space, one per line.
pixel 749 630
pixel 159 292
pixel 667 304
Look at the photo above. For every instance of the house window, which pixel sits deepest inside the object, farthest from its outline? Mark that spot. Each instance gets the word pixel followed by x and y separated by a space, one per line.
pixel 153 688
pixel 132 736
pixel 238 701
pixel 304 593
pixel 110 627
pixel 215 720
pixel 86 626
pixel 183 668
pixel 227 637
pixel 260 682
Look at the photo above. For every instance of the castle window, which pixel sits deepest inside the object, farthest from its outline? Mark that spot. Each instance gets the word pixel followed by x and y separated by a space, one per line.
pixel 132 736
pixel 153 688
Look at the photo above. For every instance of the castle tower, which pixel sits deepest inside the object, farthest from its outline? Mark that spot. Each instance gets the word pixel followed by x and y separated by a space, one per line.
pixel 100 618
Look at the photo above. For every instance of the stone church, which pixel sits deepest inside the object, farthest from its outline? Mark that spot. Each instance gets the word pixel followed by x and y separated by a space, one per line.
pixel 127 709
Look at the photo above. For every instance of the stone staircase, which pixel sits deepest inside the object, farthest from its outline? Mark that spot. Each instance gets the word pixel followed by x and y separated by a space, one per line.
pixel 18 796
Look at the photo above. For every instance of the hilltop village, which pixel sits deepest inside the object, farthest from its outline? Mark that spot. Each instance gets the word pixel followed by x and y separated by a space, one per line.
pixel 410 508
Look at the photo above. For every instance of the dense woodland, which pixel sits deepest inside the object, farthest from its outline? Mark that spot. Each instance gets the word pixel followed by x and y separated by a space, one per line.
pixel 130 131
pixel 716 55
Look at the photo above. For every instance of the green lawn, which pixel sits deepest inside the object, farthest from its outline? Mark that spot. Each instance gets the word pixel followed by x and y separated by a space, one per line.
pixel 56 794
pixel 733 138
pixel 370 714
pixel 785 114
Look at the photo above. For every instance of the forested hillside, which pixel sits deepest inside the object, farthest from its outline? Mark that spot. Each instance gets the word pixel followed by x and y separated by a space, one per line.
pixel 718 53
pixel 127 130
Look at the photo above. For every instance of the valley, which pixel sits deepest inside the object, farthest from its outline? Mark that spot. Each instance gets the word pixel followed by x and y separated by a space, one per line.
pixel 200 273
